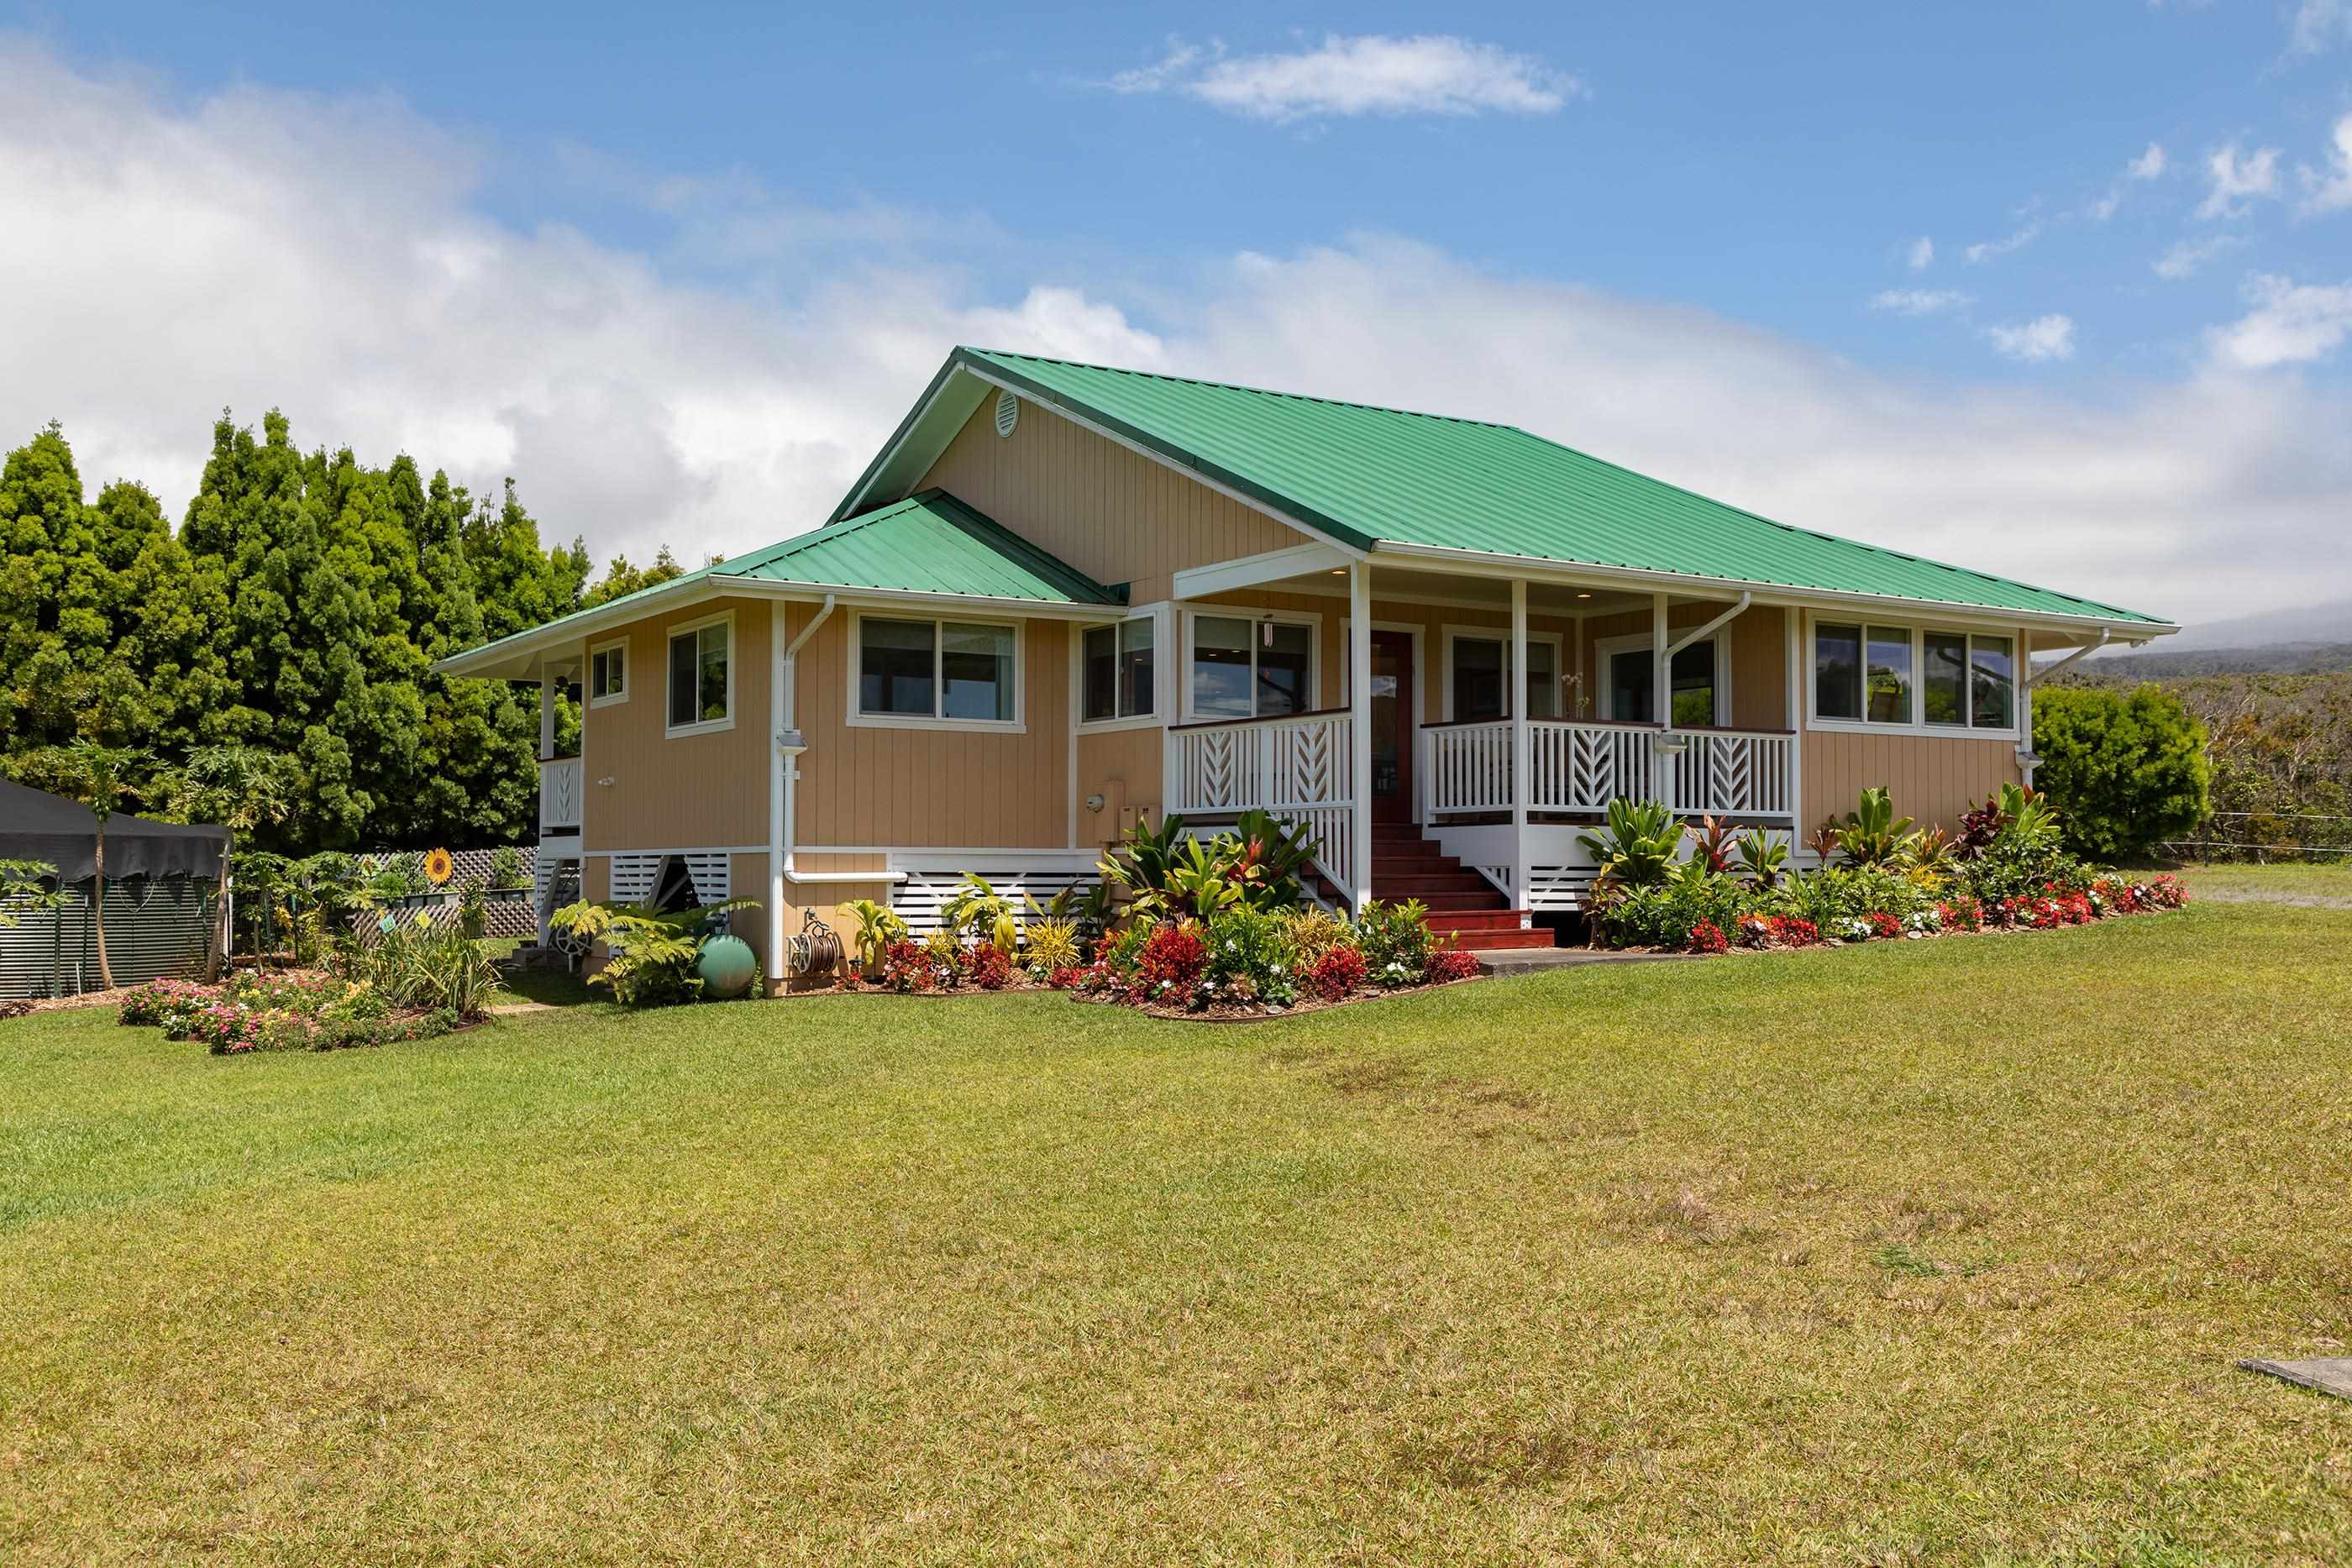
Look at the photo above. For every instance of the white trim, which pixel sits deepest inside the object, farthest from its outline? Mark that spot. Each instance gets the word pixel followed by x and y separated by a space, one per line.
pixel 1085 725
pixel 1452 632
pixel 685 850
pixel 1310 619
pixel 1916 724
pixel 1250 570
pixel 1017 725
pixel 670 635
pixel 1360 734
pixel 610 699
pixel 1606 648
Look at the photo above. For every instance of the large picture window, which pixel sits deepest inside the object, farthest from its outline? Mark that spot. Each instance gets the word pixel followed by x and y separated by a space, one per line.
pixel 1119 670
pixel 1245 668
pixel 937 671
pixel 1900 676
pixel 702 675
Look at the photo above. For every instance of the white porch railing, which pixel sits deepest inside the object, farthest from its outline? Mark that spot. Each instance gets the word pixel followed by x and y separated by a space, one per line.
pixel 559 796
pixel 1298 768
pixel 1733 773
pixel 1579 768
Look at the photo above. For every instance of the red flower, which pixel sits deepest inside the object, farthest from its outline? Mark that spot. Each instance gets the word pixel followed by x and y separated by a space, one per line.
pixel 1707 937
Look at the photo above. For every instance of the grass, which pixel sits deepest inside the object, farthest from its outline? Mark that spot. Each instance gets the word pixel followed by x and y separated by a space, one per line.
pixel 1911 1252
pixel 2322 884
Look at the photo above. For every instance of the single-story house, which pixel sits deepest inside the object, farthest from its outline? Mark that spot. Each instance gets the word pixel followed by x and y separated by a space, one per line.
pixel 1064 598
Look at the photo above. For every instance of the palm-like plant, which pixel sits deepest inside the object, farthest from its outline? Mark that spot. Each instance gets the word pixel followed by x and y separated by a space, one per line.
pixel 241 787
pixel 1636 846
pixel 1872 834
pixel 97 775
pixel 878 926
pixel 979 908
pixel 1825 841
pixel 1930 852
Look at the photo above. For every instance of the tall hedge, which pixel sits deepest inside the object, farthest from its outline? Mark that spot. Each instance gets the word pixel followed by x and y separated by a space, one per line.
pixel 2126 769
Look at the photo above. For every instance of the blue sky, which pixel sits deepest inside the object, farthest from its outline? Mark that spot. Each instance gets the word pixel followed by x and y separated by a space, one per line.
pixel 2103 226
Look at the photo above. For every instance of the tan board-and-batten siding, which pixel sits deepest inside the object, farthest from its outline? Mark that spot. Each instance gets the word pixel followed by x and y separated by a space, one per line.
pixel 1107 509
pixel 1931 778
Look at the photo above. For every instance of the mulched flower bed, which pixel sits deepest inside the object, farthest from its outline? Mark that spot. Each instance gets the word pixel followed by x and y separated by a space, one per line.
pixel 2053 909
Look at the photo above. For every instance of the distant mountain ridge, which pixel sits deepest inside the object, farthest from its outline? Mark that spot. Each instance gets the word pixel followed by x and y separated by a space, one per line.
pixel 2161 662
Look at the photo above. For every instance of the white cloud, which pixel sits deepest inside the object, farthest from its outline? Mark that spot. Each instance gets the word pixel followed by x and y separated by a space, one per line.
pixel 2149 165
pixel 2330 191
pixel 1429 74
pixel 1985 250
pixel 2319 24
pixel 329 257
pixel 2290 323
pixel 2237 180
pixel 1923 251
pixel 2187 255
pixel 2047 337
pixel 1919 301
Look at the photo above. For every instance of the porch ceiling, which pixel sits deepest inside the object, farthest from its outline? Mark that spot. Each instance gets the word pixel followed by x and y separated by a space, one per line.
pixel 1482 592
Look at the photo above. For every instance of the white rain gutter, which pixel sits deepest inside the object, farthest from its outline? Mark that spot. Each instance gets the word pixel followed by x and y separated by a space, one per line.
pixel 2029 675
pixel 1699 633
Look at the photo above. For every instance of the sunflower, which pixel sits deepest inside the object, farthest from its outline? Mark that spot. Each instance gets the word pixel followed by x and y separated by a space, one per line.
pixel 438 867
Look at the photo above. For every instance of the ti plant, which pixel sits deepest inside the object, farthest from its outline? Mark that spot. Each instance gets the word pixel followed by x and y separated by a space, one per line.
pixel 1872 834
pixel 878 926
pixel 1711 843
pixel 1825 842
pixel 1636 847
pixel 1930 852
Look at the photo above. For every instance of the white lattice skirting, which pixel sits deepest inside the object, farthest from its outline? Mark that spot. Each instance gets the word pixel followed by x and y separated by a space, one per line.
pixel 917 900
pixel 635 875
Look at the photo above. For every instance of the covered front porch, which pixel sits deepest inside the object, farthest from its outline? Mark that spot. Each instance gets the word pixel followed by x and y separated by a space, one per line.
pixel 1485 721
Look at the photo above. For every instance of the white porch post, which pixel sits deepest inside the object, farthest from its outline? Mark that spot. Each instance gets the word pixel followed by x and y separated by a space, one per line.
pixel 1793 717
pixel 780 707
pixel 2022 678
pixel 1522 753
pixel 1661 704
pixel 546 716
pixel 1171 657
pixel 1360 732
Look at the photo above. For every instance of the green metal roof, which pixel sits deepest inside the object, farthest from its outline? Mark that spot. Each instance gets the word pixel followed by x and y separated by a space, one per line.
pixel 1368 476
pixel 930 543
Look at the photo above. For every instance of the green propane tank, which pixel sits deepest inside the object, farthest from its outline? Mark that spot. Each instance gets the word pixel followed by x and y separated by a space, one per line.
pixel 726 965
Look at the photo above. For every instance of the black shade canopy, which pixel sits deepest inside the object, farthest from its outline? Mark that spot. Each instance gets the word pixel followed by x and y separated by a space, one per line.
pixel 37 826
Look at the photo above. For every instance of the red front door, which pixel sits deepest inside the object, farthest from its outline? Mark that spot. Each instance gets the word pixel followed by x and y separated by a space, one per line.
pixel 1393 711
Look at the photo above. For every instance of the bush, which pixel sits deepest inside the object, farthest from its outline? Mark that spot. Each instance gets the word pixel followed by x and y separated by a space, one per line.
pixel 2126 770
pixel 1707 937
pixel 989 967
pixel 1663 914
pixel 1449 964
pixel 1336 975
pixel 1172 962
pixel 1395 940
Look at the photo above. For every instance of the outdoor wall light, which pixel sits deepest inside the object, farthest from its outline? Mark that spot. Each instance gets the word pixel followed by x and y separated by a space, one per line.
pixel 1094 802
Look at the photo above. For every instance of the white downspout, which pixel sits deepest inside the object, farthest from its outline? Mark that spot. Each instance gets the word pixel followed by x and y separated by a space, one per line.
pixel 785 775
pixel 2028 759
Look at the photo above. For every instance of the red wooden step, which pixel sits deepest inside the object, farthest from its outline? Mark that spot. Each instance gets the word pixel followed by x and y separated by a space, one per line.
pixel 1504 941
pixel 1476 920
pixel 1420 886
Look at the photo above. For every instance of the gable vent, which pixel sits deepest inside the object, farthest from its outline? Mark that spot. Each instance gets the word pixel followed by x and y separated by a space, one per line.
pixel 1008 412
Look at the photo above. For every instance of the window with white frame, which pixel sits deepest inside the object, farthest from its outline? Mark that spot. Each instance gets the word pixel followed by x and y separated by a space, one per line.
pixel 1479 673
pixel 1119 670
pixel 1698 682
pixel 608 673
pixel 702 675
pixel 1251 667
pixel 937 671
pixel 1869 673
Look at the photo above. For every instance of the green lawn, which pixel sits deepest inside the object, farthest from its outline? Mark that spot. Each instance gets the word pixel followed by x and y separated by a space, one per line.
pixel 1914 1252
pixel 2323 884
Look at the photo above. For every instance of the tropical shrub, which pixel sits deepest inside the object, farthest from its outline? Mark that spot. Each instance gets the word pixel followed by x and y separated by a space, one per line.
pixel 976 907
pixel 1635 847
pixel 1053 943
pixel 1172 962
pixel 430 969
pixel 650 953
pixel 1396 941
pixel 1338 973
pixel 1711 843
pixel 878 926
pixel 988 967
pixel 1312 932
pixel 1872 834
pixel 506 868
pixel 1448 965
pixel 1707 937
pixel 2128 770
pixel 1763 859
pixel 1663 914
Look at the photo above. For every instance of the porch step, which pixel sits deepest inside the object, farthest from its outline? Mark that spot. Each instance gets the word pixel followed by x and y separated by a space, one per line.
pixel 1421 886
pixel 1505 941
pixel 1495 919
pixel 1468 902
